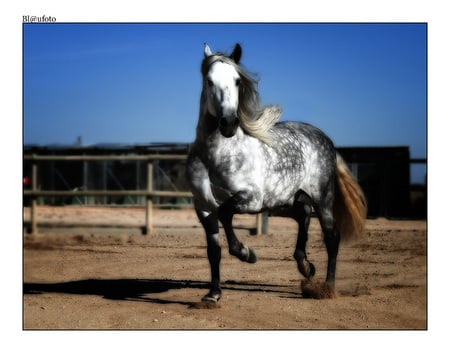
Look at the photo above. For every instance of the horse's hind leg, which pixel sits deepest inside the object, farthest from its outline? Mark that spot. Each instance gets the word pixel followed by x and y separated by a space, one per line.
pixel 302 214
pixel 211 226
pixel 321 290
pixel 227 210
pixel 331 239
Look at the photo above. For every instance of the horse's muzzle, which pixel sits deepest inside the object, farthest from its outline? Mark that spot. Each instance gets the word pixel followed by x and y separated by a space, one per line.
pixel 228 126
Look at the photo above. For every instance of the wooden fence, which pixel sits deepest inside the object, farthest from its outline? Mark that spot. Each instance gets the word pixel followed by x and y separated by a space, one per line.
pixel 149 193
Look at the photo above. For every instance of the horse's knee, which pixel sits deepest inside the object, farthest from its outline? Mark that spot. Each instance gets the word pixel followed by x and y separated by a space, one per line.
pixel 209 221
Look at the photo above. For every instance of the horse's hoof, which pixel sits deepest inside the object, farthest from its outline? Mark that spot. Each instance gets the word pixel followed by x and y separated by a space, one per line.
pixel 208 302
pixel 317 290
pixel 306 268
pixel 246 254
pixel 251 257
pixel 212 297
pixel 208 299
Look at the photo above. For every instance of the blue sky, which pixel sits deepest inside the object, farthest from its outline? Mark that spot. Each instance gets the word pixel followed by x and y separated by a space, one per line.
pixel 363 84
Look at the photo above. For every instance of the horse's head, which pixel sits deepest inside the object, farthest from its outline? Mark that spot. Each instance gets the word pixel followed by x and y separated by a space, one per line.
pixel 221 80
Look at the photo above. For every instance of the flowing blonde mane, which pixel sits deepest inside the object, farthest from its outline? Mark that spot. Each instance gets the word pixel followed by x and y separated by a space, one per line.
pixel 254 119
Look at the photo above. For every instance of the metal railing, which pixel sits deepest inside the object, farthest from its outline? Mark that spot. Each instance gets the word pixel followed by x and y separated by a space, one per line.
pixel 149 193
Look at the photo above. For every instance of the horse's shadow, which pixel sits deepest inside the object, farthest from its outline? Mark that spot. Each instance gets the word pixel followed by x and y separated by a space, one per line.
pixel 140 289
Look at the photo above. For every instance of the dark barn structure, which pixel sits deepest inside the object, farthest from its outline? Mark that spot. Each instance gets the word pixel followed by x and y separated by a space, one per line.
pixel 384 175
pixel 383 172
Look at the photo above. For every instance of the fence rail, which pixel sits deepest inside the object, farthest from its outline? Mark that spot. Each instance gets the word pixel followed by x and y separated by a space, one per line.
pixel 82 157
pixel 149 193
pixel 153 193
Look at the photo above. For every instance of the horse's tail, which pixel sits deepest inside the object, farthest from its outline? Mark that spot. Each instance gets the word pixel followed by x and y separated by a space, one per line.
pixel 350 206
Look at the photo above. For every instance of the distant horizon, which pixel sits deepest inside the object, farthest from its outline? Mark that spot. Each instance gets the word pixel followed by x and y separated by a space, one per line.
pixel 181 143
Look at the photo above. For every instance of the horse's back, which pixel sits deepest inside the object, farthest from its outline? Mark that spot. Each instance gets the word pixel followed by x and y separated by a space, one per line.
pixel 303 133
pixel 302 157
pixel 302 141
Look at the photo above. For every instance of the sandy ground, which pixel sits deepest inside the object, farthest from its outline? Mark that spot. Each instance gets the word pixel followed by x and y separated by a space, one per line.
pixel 77 276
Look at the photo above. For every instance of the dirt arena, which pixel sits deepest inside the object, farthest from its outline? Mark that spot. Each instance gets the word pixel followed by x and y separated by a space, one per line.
pixel 85 275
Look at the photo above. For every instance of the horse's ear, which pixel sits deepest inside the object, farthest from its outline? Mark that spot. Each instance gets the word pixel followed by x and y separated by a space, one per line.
pixel 207 51
pixel 236 54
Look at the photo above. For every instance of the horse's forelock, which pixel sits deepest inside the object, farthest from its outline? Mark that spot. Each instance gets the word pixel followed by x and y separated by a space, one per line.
pixel 217 57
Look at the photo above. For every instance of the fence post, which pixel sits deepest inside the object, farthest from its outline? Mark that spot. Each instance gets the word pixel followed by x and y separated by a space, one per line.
pixel 258 223
pixel 262 220
pixel 265 222
pixel 33 215
pixel 148 203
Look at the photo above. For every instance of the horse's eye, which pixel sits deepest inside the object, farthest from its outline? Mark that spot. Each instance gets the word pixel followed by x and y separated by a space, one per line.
pixel 210 83
pixel 238 81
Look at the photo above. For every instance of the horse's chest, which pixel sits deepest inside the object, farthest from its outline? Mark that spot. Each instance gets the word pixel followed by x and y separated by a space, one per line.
pixel 227 165
pixel 234 169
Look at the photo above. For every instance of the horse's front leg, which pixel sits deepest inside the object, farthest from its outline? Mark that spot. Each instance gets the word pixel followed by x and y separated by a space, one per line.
pixel 239 203
pixel 211 225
